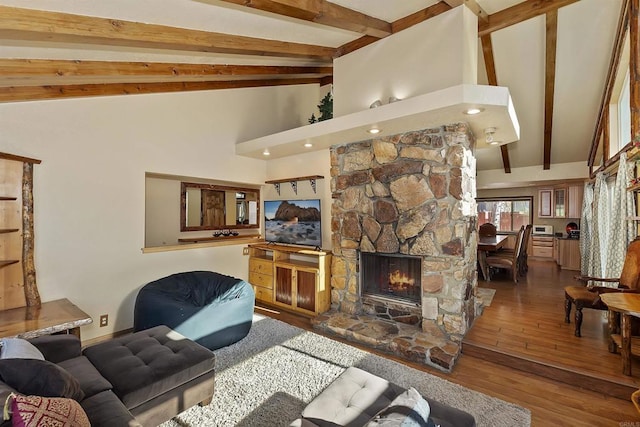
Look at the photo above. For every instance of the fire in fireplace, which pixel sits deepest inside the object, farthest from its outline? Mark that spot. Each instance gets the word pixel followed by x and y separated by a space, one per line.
pixel 391 276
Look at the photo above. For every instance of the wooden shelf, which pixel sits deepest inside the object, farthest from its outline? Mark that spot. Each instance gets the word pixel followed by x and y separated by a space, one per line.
pixel 8 230
pixel 215 239
pixel 8 198
pixel 299 178
pixel 6 262
pixel 294 182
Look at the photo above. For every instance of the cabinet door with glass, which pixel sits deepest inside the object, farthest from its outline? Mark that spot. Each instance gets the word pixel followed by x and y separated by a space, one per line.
pixel 545 203
pixel 560 202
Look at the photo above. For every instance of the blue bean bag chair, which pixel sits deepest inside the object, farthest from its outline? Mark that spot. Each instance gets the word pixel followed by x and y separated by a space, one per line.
pixel 209 308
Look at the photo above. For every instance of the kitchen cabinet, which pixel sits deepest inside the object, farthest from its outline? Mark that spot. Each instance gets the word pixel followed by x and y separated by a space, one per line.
pixel 569 254
pixel 560 202
pixel 575 201
pixel 543 247
pixel 545 203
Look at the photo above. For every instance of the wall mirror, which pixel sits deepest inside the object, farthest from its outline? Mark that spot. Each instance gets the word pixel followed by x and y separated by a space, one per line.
pixel 217 207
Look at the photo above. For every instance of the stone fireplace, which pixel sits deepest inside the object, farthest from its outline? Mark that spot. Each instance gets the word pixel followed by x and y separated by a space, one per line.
pixel 390 277
pixel 404 212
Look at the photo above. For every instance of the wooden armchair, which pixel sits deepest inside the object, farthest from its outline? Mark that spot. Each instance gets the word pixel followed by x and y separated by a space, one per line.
pixel 589 296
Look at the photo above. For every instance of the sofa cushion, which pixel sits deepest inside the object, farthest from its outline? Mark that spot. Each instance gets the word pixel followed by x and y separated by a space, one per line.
pixel 148 363
pixel 409 409
pixel 351 400
pixel 17 348
pixel 40 378
pixel 91 382
pixel 38 411
pixel 57 348
pixel 106 410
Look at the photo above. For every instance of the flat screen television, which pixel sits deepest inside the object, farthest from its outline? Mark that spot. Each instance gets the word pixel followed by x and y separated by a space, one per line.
pixel 294 222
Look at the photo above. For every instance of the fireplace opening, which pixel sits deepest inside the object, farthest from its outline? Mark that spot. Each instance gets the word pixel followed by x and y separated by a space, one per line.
pixel 391 276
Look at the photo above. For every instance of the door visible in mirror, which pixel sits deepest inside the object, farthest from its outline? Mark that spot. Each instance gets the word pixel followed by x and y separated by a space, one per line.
pixel 217 207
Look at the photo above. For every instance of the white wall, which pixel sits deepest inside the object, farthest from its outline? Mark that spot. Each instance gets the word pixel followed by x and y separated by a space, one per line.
pixel 443 52
pixel 496 178
pixel 162 223
pixel 89 191
pixel 313 163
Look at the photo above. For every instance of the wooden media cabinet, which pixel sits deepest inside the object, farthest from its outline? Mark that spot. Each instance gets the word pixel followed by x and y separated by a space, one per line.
pixel 294 278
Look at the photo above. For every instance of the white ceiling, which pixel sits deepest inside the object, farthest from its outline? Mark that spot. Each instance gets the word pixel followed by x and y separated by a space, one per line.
pixel 586 31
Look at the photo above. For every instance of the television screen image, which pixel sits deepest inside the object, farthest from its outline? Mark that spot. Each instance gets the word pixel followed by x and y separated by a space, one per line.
pixel 295 222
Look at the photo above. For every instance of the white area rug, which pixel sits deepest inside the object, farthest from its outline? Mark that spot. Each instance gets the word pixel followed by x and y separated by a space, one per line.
pixel 269 377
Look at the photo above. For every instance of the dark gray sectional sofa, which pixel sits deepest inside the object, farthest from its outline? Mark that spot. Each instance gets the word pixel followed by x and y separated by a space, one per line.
pixel 144 378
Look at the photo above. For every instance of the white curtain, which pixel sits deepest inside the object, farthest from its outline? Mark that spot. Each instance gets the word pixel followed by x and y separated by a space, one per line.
pixel 621 230
pixel 600 224
pixel 586 230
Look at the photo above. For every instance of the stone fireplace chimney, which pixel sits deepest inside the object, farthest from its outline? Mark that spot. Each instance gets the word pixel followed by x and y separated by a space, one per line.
pixel 408 194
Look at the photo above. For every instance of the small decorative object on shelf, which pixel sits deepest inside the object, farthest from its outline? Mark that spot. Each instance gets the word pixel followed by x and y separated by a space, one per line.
pixel 326 109
pixel 225 233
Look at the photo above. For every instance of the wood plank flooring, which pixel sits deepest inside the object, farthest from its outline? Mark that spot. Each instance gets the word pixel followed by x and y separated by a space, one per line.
pixel 525 322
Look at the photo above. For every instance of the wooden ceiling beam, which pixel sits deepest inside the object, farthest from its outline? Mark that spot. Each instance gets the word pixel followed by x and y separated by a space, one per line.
pixel 614 63
pixel 549 82
pixel 419 16
pixel 45 26
pixel 519 13
pixel 54 70
pixel 492 78
pixel 33 93
pixel 322 12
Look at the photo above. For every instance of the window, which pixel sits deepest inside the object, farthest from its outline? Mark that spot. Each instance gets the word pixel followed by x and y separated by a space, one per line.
pixel 507 213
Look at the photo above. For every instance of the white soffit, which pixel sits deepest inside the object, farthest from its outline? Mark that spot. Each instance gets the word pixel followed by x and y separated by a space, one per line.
pixel 445 106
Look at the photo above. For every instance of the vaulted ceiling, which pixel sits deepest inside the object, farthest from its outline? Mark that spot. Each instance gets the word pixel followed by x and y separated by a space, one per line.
pixel 552 55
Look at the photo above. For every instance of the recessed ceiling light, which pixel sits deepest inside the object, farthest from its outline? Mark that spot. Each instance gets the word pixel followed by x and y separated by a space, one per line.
pixel 472 111
pixel 266 152
pixel 374 131
pixel 308 144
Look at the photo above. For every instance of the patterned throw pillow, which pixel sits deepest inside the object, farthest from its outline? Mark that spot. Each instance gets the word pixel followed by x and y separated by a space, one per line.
pixel 36 411
pixel 409 409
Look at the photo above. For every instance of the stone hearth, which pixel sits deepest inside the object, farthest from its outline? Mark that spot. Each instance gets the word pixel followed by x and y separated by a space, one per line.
pixel 410 194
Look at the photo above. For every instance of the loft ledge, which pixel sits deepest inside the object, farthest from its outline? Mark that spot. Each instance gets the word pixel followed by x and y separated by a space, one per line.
pixel 437 108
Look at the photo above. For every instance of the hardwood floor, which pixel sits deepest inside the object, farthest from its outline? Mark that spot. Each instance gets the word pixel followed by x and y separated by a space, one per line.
pixel 525 324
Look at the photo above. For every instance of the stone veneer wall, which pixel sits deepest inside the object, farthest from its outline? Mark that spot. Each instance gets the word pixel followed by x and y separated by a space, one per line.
pixel 411 193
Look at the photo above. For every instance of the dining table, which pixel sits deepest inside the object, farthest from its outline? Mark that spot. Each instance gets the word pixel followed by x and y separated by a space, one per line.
pixel 489 244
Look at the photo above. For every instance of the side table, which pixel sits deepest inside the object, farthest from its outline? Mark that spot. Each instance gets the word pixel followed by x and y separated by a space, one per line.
pixel 49 318
pixel 627 305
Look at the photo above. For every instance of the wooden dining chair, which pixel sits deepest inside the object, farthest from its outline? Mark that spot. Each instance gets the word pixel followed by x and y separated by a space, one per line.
pixel 508 261
pixel 487 229
pixel 523 265
pixel 588 296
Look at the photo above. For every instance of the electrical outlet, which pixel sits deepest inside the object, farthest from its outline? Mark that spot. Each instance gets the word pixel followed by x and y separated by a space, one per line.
pixel 245 251
pixel 104 320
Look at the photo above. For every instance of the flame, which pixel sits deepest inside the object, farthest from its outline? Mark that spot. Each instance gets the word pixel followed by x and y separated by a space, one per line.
pixel 400 280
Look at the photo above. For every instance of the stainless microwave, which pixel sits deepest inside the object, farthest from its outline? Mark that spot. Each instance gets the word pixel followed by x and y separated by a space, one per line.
pixel 542 229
